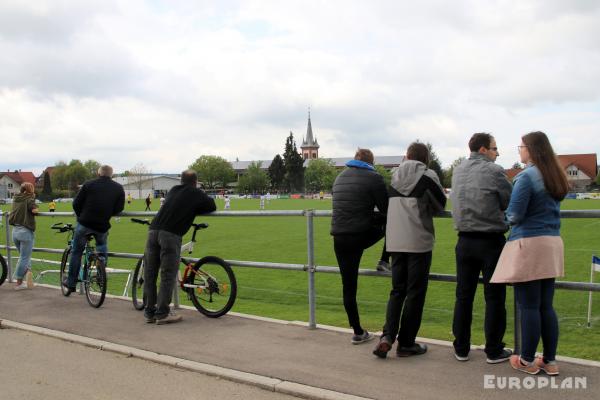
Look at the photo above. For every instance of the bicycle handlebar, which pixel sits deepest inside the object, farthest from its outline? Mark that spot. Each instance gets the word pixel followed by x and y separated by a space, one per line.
pixel 62 228
pixel 140 221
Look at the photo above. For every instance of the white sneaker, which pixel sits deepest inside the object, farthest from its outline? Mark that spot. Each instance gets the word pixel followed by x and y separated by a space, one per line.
pixel 22 286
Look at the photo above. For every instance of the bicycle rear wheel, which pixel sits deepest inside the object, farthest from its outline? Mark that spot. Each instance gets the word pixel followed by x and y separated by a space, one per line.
pixel 3 269
pixel 211 286
pixel 137 286
pixel 64 271
pixel 95 281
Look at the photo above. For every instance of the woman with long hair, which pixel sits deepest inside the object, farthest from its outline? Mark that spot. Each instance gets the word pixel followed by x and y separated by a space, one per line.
pixel 534 255
pixel 22 218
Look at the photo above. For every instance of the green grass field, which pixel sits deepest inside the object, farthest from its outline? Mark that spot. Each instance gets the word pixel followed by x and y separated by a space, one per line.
pixel 283 294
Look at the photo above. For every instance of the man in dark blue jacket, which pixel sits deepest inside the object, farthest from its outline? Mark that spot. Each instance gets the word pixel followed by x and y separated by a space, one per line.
pixel 356 226
pixel 163 246
pixel 97 201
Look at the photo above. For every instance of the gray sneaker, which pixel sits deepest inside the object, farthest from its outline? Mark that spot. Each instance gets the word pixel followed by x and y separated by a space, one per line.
pixel 383 266
pixel 169 319
pixel 364 338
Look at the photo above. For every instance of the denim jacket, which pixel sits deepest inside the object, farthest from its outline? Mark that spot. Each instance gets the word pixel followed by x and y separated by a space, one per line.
pixel 532 211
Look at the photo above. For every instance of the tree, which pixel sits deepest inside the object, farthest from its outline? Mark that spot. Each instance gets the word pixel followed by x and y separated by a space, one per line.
pixel 387 175
pixel 277 173
pixel 255 180
pixel 434 163
pixel 75 175
pixel 447 182
pixel 213 171
pixel 294 165
pixel 59 175
pixel 517 165
pixel 92 167
pixel 319 175
pixel 47 190
pixel 598 177
pixel 138 174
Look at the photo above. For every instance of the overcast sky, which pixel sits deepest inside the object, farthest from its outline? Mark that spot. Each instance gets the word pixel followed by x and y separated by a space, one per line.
pixel 163 82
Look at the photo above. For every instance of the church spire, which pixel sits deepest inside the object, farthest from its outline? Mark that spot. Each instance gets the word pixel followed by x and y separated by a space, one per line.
pixel 310 141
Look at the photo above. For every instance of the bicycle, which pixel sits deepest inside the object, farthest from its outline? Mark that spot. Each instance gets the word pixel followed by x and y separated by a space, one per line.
pixel 3 270
pixel 209 283
pixel 92 274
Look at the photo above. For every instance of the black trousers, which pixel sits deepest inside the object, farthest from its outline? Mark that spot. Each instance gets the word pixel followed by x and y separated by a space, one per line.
pixel 475 254
pixel 348 251
pixel 410 276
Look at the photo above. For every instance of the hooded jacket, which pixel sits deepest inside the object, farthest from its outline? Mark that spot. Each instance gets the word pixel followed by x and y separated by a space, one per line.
pixel 23 204
pixel 415 196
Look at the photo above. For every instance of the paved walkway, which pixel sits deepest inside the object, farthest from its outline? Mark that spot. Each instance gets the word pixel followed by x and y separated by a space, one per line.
pixel 319 358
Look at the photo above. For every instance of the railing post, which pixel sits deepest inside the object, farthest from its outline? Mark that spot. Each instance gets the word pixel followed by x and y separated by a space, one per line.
pixel 310 240
pixel 8 255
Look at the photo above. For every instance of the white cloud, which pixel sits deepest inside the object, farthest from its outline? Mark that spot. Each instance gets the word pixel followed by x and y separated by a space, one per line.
pixel 165 82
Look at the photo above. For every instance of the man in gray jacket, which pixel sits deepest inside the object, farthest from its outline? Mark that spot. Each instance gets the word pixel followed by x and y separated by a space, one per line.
pixel 480 194
pixel 415 195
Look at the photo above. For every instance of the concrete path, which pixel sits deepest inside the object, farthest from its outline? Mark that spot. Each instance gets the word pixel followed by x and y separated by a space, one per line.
pixel 39 367
pixel 288 352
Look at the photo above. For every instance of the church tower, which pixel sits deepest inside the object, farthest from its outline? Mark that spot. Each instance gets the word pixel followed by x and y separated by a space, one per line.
pixel 310 147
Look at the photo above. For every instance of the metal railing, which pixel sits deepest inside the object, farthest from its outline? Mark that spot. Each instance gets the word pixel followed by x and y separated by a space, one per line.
pixel 310 266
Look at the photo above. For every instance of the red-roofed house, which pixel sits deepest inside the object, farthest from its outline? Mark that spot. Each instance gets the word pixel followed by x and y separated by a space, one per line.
pixel 581 169
pixel 10 182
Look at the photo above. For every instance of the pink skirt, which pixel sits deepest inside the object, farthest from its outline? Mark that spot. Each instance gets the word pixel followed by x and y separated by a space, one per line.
pixel 530 259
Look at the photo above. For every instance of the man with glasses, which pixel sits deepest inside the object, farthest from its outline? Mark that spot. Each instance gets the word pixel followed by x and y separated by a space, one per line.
pixel 480 194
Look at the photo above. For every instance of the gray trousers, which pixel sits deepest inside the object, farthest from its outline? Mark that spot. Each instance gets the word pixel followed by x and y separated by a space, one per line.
pixel 162 254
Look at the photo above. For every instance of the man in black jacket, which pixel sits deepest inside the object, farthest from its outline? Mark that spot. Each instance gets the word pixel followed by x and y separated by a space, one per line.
pixel 355 226
pixel 163 246
pixel 97 201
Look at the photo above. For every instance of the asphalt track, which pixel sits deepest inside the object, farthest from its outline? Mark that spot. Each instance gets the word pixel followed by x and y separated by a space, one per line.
pixel 282 352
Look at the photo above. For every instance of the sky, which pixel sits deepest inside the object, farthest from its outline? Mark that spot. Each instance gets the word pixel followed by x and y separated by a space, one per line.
pixel 163 82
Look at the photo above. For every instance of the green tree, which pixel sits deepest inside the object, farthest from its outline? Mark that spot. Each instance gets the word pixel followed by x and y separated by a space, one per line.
pixel 277 173
pixel 294 166
pixel 76 174
pixel 255 180
pixel 319 175
pixel 435 163
pixel 387 175
pixel 47 190
pixel 59 176
pixel 447 182
pixel 517 165
pixel 92 168
pixel 598 176
pixel 213 171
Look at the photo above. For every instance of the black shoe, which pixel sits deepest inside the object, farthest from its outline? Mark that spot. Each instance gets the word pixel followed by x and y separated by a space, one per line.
pixel 383 347
pixel 504 356
pixel 67 290
pixel 415 350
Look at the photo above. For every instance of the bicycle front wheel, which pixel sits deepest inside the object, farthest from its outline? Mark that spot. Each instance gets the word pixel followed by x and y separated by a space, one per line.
pixel 211 286
pixel 95 281
pixel 3 269
pixel 137 286
pixel 64 271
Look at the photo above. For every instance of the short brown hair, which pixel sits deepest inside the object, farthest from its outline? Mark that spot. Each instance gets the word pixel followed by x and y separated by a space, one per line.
pixel 479 140
pixel 419 152
pixel 365 155
pixel 27 187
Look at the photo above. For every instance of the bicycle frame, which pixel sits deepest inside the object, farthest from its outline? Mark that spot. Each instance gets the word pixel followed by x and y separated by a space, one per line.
pixel 88 250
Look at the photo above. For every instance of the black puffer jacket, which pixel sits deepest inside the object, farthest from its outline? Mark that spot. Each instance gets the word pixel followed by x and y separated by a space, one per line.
pixel 97 201
pixel 356 192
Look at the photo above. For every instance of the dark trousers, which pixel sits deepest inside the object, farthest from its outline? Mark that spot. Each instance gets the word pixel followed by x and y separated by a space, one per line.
pixel 475 254
pixel 162 255
pixel 348 251
pixel 534 300
pixel 78 246
pixel 410 275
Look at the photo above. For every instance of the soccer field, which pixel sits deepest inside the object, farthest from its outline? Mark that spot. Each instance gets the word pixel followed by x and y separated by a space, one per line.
pixel 283 294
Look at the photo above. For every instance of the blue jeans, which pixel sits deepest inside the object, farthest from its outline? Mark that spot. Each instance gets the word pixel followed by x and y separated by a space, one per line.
pixel 78 245
pixel 534 300
pixel 161 256
pixel 23 239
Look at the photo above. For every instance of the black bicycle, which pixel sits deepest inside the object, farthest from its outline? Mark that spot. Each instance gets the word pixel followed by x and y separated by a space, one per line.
pixel 209 283
pixel 3 270
pixel 92 275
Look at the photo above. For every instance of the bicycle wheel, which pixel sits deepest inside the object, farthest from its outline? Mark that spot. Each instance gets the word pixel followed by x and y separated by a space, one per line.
pixel 94 274
pixel 64 270
pixel 137 286
pixel 3 269
pixel 211 286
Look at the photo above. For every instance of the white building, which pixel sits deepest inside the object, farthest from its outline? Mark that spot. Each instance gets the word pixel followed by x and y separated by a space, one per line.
pixel 139 187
